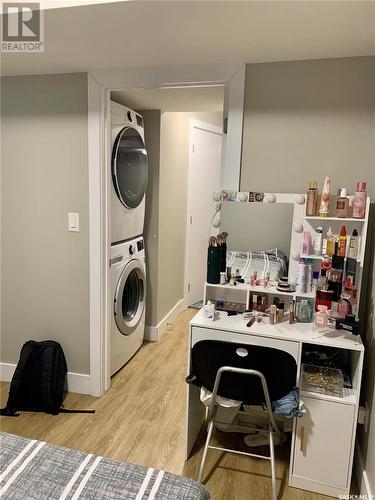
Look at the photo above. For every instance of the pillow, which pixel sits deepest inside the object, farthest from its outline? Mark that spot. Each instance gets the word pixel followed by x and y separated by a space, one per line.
pixel 272 261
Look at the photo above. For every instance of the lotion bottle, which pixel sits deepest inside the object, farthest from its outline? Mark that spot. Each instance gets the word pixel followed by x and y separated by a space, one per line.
pixel 312 199
pixel 324 202
pixel 359 201
pixel 318 241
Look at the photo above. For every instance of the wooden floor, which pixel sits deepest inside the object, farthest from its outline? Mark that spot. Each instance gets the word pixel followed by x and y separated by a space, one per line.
pixel 141 419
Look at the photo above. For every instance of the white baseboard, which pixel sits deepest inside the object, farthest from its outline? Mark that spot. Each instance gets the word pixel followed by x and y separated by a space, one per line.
pixel 154 333
pixel 361 474
pixel 76 382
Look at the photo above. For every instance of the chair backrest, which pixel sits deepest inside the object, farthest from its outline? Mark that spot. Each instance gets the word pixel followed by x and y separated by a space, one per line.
pixel 278 367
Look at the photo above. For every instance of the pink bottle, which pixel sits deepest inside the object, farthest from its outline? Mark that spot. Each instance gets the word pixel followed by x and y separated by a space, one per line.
pixel 359 201
pixel 305 243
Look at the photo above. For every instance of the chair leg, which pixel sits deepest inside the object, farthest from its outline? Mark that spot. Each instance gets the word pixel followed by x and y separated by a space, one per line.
pixel 273 467
pixel 205 450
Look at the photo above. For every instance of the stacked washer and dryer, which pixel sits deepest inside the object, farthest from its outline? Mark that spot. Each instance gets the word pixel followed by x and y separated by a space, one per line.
pixel 128 271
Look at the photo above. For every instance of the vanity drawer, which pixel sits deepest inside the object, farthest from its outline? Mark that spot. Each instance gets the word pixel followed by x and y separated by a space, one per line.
pixel 198 333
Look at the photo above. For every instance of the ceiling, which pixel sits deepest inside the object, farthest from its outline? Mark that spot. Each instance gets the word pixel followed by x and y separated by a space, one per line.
pixel 172 99
pixel 141 34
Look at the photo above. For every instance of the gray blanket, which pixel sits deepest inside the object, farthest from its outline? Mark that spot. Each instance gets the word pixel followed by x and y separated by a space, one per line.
pixel 32 469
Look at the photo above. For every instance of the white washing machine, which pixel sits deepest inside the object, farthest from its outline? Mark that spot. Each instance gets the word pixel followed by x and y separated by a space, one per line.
pixel 128 286
pixel 129 173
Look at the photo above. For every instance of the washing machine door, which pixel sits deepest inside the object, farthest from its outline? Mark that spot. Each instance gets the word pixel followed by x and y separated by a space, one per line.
pixel 129 167
pixel 130 297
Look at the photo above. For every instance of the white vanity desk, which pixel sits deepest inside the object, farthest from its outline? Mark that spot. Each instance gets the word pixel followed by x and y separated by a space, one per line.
pixel 323 440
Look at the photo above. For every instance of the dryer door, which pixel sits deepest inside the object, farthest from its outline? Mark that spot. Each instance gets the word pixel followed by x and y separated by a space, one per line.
pixel 130 297
pixel 129 167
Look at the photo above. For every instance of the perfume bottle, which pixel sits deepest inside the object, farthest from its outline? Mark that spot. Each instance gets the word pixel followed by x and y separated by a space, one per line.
pixel 342 204
pixel 344 306
pixel 342 242
pixel 330 247
pixel 353 245
pixel 321 317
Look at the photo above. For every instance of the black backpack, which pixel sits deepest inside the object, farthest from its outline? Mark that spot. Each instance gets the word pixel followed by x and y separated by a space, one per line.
pixel 38 381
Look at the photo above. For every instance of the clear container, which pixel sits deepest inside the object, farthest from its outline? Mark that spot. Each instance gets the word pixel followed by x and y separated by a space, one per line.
pixel 304 311
pixel 323 380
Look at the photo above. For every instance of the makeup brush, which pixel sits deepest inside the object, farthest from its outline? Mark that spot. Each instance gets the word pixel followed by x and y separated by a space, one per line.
pixel 220 239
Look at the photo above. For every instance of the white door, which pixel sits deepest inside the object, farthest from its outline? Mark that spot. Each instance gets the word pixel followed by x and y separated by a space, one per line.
pixel 323 444
pixel 203 180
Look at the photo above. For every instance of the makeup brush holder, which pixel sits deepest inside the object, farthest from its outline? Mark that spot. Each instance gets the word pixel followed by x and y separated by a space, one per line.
pixel 214 260
pixel 223 265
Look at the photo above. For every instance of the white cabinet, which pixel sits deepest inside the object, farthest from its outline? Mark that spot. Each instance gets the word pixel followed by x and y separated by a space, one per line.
pixel 323 447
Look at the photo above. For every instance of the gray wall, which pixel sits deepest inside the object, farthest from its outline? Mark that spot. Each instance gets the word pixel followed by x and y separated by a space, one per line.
pixel 304 120
pixel 152 140
pixel 45 268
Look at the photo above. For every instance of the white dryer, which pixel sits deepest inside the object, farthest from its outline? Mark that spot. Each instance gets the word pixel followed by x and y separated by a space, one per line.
pixel 129 173
pixel 128 286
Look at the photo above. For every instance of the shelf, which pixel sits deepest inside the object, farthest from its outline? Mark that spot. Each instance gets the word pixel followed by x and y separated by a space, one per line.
pixel 260 289
pixel 320 257
pixel 349 396
pixel 342 219
pixel 312 256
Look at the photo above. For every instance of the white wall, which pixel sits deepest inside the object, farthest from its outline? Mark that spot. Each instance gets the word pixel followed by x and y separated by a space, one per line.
pixel 45 268
pixel 174 156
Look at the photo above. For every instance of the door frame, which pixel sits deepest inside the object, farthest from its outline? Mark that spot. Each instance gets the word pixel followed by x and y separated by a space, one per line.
pixel 194 124
pixel 100 85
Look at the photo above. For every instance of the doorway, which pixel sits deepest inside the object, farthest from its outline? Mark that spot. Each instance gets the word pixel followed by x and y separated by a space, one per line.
pixel 205 144
pixel 214 92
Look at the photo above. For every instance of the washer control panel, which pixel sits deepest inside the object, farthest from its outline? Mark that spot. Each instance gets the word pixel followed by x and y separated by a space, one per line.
pixel 122 252
pixel 140 245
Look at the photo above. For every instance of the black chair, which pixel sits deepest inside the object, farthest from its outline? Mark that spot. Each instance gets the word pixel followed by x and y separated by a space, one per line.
pixel 252 374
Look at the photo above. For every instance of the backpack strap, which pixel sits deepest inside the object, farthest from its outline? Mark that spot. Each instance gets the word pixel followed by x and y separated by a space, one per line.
pixel 65 410
pixel 6 412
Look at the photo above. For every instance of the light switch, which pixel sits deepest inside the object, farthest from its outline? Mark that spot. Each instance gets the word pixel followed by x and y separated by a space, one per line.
pixel 73 222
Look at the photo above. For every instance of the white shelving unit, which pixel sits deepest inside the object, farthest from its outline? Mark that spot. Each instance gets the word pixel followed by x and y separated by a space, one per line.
pixel 243 291
pixel 301 222
pixel 309 223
